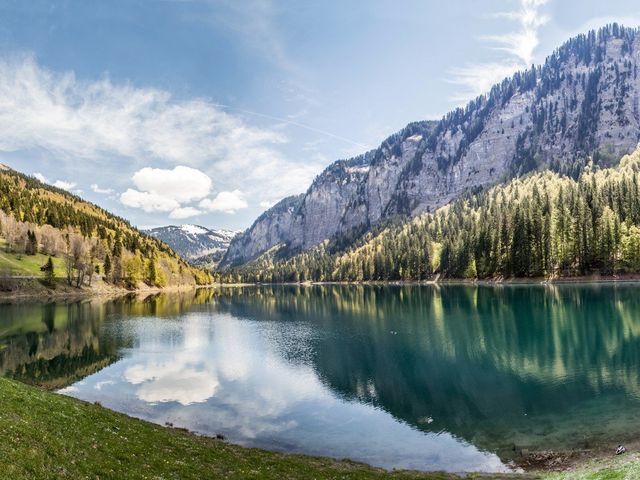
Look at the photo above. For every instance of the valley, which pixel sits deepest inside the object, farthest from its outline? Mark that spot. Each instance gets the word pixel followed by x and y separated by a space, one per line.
pixel 189 288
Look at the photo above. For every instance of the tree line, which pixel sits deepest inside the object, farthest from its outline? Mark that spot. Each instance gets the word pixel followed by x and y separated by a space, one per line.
pixel 37 218
pixel 541 225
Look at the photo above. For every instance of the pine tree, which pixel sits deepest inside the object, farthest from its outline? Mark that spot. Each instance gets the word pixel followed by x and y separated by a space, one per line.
pixel 31 247
pixel 49 273
pixel 107 265
pixel 151 274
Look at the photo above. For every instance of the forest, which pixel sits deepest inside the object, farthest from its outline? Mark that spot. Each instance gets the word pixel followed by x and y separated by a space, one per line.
pixel 541 225
pixel 40 219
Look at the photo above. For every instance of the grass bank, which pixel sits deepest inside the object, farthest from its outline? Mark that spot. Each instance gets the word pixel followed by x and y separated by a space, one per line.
pixel 626 467
pixel 45 435
pixel 28 265
pixel 22 278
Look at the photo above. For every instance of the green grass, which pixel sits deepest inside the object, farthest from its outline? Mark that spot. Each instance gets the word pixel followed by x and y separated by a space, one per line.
pixel 27 265
pixel 625 467
pixel 45 435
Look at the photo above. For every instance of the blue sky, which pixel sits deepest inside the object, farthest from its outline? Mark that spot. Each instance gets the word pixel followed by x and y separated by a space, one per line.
pixel 209 111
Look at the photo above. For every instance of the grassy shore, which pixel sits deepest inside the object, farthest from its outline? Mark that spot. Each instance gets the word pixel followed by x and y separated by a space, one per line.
pixel 45 435
pixel 26 280
pixel 626 467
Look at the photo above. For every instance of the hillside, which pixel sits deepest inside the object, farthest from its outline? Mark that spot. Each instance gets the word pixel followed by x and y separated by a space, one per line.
pixel 582 104
pixel 90 248
pixel 541 225
pixel 199 245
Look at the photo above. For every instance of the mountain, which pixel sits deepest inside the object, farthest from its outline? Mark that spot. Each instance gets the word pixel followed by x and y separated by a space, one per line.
pixel 90 248
pixel 583 104
pixel 540 225
pixel 199 245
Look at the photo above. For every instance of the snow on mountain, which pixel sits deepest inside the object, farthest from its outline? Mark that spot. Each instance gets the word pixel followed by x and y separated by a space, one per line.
pixel 194 229
pixel 195 243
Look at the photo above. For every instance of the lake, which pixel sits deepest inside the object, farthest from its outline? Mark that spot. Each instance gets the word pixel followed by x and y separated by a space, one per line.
pixel 456 378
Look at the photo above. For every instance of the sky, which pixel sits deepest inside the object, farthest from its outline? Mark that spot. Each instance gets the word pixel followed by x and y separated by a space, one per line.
pixel 210 111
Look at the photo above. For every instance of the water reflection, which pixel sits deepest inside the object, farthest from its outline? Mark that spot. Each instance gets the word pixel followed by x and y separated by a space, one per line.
pixel 504 368
pixel 53 345
pixel 220 375
pixel 413 377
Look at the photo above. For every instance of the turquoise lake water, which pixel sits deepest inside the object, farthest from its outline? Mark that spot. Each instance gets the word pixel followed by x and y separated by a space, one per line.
pixel 457 378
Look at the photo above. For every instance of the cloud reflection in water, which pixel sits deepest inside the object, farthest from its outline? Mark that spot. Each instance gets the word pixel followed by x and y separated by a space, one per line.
pixel 216 373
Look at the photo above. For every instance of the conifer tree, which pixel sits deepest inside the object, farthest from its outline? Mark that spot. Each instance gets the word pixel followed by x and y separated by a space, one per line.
pixel 49 273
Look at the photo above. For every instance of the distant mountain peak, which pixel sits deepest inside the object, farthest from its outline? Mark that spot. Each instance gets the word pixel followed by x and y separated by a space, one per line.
pixel 195 243
pixel 194 229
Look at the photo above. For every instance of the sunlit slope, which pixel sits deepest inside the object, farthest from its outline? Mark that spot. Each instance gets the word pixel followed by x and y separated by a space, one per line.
pixel 86 242
pixel 541 225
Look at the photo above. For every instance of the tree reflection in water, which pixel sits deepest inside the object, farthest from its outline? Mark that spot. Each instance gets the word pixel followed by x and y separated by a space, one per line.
pixel 502 368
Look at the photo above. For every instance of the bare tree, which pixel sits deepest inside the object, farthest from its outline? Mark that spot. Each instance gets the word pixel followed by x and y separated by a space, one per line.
pixel 52 240
pixel 96 251
pixel 78 258
pixel 12 231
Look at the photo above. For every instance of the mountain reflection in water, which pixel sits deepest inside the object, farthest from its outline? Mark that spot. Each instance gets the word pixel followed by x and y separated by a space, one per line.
pixel 452 377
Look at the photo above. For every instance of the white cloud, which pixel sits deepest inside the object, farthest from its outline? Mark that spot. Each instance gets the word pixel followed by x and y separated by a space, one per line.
pixel 75 119
pixel 523 42
pixel 519 45
pixel 181 184
pixel 186 387
pixel 40 177
pixel 62 184
pixel 173 381
pixel 111 124
pixel 184 212
pixel 103 191
pixel 149 202
pixel 266 204
pixel 98 386
pixel 479 78
pixel 164 190
pixel 227 202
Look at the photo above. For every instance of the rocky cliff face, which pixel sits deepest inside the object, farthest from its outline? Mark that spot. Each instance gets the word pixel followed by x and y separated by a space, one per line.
pixel 583 102
pixel 273 227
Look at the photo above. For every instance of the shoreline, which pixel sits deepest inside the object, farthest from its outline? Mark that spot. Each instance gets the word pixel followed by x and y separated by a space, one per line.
pixel 585 279
pixel 534 464
pixel 568 461
pixel 68 438
pixel 65 292
pixel 531 461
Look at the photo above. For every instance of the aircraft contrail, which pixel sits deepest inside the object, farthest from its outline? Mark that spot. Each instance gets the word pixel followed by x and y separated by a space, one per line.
pixel 291 122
